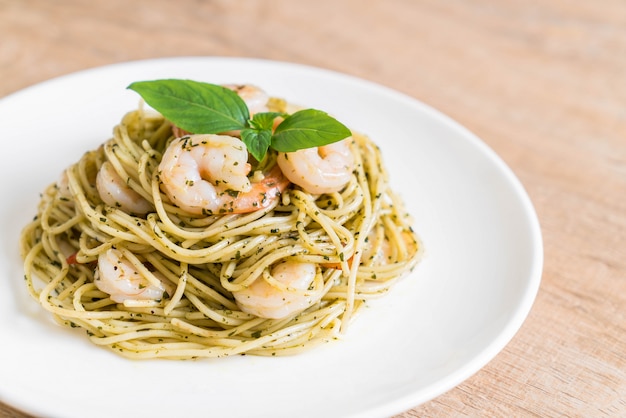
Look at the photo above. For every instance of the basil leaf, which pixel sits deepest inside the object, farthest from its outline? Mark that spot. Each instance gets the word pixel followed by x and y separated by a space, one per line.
pixel 264 120
pixel 257 141
pixel 197 107
pixel 306 129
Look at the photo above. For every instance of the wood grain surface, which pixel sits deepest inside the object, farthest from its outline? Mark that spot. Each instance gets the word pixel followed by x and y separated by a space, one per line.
pixel 542 82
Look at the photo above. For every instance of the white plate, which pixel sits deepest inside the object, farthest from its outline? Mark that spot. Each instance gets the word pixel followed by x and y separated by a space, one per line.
pixel 441 324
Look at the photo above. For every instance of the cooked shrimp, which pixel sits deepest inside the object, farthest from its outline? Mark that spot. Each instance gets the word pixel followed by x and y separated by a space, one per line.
pixel 255 98
pixel 118 277
pixel 115 192
pixel 297 290
pixel 377 250
pixel 207 174
pixel 318 170
pixel 63 186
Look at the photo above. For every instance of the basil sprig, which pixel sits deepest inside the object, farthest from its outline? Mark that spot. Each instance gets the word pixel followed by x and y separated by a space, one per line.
pixel 204 108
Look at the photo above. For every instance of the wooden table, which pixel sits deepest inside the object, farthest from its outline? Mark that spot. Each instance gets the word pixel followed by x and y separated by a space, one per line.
pixel 542 82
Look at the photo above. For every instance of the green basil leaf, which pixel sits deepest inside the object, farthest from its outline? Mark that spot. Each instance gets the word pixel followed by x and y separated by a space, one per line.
pixel 264 120
pixel 257 141
pixel 197 107
pixel 306 129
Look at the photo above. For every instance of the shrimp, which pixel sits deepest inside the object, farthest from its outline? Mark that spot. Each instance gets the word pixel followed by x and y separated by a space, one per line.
pixel 318 170
pixel 207 174
pixel 377 250
pixel 255 98
pixel 115 192
pixel 117 276
pixel 298 290
pixel 63 186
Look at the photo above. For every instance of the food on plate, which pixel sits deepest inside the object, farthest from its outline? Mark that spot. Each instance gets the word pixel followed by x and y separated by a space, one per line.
pixel 225 222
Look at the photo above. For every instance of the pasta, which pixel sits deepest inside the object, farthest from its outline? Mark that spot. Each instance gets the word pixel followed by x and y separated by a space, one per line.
pixel 359 241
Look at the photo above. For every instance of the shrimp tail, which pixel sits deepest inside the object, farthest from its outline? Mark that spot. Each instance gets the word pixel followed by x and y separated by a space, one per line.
pixel 263 193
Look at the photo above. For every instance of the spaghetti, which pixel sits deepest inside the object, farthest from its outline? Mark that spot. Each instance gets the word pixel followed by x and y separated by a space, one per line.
pixel 359 239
